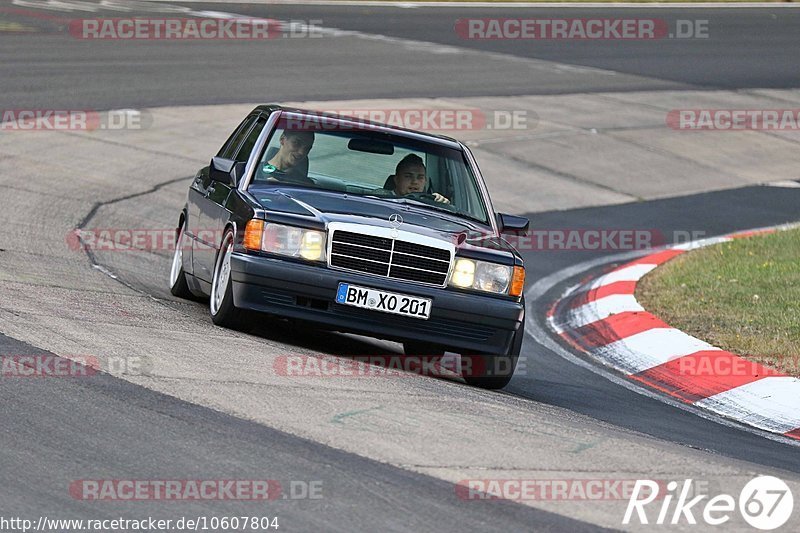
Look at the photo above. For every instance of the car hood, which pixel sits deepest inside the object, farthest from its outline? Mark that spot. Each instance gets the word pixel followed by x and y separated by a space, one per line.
pixel 325 207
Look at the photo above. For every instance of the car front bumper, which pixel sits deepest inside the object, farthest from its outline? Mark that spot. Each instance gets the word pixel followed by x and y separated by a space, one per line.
pixel 462 322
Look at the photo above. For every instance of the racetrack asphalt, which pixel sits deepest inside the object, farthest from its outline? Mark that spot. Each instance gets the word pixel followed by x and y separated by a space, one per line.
pixel 201 417
pixel 141 434
pixel 427 59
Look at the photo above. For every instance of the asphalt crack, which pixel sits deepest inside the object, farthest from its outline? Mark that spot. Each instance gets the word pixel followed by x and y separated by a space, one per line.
pixel 93 261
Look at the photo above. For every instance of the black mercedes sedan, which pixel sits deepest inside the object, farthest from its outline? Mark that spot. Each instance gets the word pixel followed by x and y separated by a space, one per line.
pixel 356 227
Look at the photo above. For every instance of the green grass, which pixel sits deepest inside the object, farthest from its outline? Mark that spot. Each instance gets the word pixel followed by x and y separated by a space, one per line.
pixel 742 296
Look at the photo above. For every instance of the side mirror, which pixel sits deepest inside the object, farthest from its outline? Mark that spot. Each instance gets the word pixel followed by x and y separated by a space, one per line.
pixel 226 171
pixel 513 225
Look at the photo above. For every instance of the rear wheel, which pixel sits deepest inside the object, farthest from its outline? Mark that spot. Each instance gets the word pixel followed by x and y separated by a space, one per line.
pixel 177 277
pixel 223 312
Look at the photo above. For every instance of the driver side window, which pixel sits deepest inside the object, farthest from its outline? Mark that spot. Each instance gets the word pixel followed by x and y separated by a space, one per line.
pixel 229 149
pixel 244 152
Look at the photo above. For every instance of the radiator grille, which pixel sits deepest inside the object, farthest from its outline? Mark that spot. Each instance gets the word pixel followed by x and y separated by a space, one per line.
pixel 393 258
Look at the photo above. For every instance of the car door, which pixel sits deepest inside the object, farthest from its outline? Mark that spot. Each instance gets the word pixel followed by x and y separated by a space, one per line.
pixel 203 241
pixel 212 213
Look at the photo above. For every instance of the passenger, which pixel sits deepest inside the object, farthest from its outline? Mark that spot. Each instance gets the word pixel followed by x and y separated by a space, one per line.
pixel 290 162
pixel 410 177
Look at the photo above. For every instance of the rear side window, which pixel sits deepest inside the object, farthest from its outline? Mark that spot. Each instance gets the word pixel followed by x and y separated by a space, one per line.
pixel 228 151
pixel 244 152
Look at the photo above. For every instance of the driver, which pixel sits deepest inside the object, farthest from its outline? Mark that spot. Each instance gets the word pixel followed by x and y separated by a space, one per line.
pixel 290 161
pixel 410 177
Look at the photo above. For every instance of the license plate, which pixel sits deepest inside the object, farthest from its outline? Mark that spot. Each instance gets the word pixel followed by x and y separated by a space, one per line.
pixel 386 302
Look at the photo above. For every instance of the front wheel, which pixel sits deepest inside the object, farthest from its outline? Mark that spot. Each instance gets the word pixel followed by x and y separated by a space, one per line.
pixel 223 312
pixel 422 349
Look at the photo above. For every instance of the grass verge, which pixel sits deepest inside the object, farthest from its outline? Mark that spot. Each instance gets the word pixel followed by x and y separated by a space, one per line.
pixel 742 296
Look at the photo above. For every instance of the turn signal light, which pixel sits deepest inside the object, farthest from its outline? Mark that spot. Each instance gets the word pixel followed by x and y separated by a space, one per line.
pixel 517 281
pixel 252 234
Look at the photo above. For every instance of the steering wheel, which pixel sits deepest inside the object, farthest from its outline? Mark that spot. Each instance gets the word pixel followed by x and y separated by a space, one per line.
pixel 429 198
pixel 420 196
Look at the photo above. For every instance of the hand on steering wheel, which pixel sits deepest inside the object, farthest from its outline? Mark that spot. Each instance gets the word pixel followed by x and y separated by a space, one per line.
pixel 436 197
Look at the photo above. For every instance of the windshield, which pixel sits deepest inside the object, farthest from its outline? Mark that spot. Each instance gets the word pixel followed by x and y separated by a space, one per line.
pixel 360 160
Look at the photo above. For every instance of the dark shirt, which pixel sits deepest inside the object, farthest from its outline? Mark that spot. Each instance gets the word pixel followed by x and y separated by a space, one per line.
pixel 295 174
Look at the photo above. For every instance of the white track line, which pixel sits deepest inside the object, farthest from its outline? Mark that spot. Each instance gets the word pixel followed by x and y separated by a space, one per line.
pixel 769 403
pixel 539 333
pixel 649 349
pixel 600 309
pixel 627 273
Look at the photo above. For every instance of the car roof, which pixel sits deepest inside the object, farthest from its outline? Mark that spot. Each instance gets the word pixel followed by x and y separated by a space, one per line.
pixel 386 128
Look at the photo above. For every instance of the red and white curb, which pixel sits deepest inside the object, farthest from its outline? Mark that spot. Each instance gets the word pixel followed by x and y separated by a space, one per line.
pixel 602 319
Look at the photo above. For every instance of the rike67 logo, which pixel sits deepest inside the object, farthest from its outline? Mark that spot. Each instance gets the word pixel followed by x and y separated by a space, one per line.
pixel 766 503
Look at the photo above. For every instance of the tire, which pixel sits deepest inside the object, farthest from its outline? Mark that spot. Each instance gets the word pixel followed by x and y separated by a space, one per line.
pixel 493 372
pixel 418 348
pixel 177 277
pixel 424 358
pixel 223 312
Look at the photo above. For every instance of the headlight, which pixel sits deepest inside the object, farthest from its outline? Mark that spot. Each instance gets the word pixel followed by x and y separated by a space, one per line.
pixel 463 274
pixel 492 278
pixel 488 277
pixel 285 240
